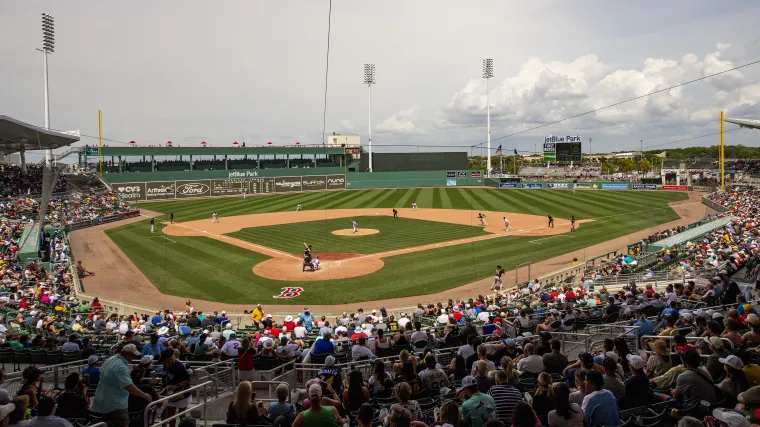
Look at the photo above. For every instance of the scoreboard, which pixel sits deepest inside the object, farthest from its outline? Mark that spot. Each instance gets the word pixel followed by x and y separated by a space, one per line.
pixel 563 152
pixel 569 152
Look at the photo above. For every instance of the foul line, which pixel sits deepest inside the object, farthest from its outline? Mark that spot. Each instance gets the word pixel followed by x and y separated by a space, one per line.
pixel 545 238
pixel 163 237
pixel 262 249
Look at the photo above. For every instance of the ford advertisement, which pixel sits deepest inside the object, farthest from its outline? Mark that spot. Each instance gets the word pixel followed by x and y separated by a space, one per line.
pixel 614 186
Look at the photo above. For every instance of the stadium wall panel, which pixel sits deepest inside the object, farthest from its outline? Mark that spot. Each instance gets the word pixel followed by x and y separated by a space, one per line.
pixel 410 162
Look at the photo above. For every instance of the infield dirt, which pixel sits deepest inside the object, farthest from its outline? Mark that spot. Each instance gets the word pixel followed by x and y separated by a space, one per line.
pixel 119 279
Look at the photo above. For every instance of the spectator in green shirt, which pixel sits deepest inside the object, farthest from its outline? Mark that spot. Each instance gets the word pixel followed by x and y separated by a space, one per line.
pixel 479 407
pixel 115 386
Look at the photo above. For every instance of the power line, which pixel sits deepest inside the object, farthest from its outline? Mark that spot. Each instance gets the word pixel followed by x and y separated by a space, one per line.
pixel 625 101
pixel 693 138
pixel 327 71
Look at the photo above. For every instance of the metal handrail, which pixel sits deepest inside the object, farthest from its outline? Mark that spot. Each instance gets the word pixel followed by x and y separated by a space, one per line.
pixel 178 414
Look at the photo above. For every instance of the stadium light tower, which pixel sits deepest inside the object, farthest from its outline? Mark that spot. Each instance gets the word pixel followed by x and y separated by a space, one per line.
pixel 369 80
pixel 488 74
pixel 48 46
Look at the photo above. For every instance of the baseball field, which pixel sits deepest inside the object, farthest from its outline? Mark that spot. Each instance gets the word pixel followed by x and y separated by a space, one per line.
pixel 256 249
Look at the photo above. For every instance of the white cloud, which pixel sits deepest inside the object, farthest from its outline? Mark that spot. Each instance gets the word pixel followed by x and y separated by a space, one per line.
pixel 542 92
pixel 403 122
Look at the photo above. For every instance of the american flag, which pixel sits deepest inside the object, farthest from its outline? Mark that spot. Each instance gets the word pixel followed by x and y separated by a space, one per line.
pixel 498 150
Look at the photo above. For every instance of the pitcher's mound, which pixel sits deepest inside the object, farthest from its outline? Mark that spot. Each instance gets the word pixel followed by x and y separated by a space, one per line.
pixel 360 232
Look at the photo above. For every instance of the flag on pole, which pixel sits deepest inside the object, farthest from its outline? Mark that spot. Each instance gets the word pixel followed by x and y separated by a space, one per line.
pixel 498 150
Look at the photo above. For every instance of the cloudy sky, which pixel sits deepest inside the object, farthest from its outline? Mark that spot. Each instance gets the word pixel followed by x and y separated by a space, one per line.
pixel 189 70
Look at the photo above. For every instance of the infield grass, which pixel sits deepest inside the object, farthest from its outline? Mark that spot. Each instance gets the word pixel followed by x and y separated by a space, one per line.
pixel 394 234
pixel 199 267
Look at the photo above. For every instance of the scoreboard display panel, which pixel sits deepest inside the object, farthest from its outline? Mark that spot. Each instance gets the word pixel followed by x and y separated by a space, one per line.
pixel 568 151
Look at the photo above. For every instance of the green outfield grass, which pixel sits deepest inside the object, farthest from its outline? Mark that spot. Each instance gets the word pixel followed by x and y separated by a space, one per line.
pixel 199 267
pixel 394 234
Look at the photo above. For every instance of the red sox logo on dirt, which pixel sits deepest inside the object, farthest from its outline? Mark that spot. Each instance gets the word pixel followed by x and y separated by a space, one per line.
pixel 289 293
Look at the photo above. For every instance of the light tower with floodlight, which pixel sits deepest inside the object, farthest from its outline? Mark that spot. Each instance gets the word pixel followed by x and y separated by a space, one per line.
pixel 369 80
pixel 488 74
pixel 48 47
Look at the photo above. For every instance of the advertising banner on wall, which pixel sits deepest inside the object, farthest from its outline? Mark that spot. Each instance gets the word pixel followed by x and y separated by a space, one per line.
pixel 311 183
pixel 675 187
pixel 533 185
pixel 508 185
pixel 451 174
pixel 475 174
pixel 557 185
pixel 287 184
pixel 614 186
pixel 451 182
pixel 644 186
pixel 701 188
pixel 159 190
pixel 197 188
pixel 336 182
pixel 585 186
pixel 131 191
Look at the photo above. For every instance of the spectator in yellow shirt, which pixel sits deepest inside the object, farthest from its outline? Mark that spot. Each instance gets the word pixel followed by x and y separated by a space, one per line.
pixel 257 314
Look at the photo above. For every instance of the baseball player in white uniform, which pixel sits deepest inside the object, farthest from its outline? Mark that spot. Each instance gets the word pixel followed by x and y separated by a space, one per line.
pixel 355 225
pixel 506 223
pixel 299 207
pixel 482 219
pixel 414 205
pixel 214 217
pixel 244 194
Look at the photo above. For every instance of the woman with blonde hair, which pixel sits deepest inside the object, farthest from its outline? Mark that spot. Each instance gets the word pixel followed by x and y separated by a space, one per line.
pixel 243 409
pixel 403 394
pixel 508 366
pixel 543 401
pixel 450 414
pixel 403 357
pixel 17 417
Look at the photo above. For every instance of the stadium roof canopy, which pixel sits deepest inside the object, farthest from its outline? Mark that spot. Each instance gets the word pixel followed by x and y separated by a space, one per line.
pixel 752 124
pixel 16 135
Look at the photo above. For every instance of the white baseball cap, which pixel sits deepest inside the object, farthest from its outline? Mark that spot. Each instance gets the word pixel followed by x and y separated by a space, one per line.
pixel 731 418
pixel 732 361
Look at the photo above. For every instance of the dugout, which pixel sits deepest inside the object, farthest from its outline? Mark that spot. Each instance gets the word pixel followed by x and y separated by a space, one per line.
pixel 405 162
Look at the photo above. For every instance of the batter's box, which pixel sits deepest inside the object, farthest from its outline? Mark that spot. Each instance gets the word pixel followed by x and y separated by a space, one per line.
pixel 167 241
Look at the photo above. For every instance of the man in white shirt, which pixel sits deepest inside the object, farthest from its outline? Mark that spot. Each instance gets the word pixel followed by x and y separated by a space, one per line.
pixel 230 348
pixel 403 321
pixel 360 350
pixel 300 331
pixel 466 350
pixel 530 361
pixel 418 335
pixel 483 316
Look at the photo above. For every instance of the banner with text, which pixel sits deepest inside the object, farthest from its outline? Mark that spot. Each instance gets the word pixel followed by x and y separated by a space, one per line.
pixel 644 186
pixel 675 187
pixel 614 186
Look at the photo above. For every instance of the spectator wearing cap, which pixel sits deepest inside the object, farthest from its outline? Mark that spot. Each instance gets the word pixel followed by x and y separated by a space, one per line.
pixel 727 418
pixel 637 385
pixel 599 405
pixel 331 375
pixel 752 338
pixel 177 379
pixel 716 351
pixel 289 323
pixel 153 348
pixel 307 318
pixel 115 386
pixel 223 318
pixel 257 314
pixel 735 381
pixel 317 415
pixel 92 370
pixel 478 407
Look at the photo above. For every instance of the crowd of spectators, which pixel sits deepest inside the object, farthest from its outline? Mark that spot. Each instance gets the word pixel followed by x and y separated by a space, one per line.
pixel 14 182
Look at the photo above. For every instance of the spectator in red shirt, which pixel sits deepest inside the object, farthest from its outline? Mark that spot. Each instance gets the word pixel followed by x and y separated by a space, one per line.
pixel 289 323
pixel 358 333
pixel 456 314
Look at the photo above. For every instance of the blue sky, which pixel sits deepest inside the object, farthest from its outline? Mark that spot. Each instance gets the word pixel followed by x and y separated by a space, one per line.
pixel 188 71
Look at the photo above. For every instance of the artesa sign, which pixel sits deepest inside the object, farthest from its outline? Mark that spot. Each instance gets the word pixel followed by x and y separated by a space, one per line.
pixel 159 190
pixel 193 188
pixel 289 293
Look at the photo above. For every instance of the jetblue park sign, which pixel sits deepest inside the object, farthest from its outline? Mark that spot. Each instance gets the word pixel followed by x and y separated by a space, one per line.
pixel 555 139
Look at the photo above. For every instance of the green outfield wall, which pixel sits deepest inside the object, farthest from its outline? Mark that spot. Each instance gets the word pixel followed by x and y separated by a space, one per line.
pixel 451 178
pixel 216 174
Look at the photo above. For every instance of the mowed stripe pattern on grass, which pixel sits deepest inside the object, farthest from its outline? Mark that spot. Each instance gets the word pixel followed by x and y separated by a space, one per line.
pixel 197 267
pixel 584 204
pixel 395 233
